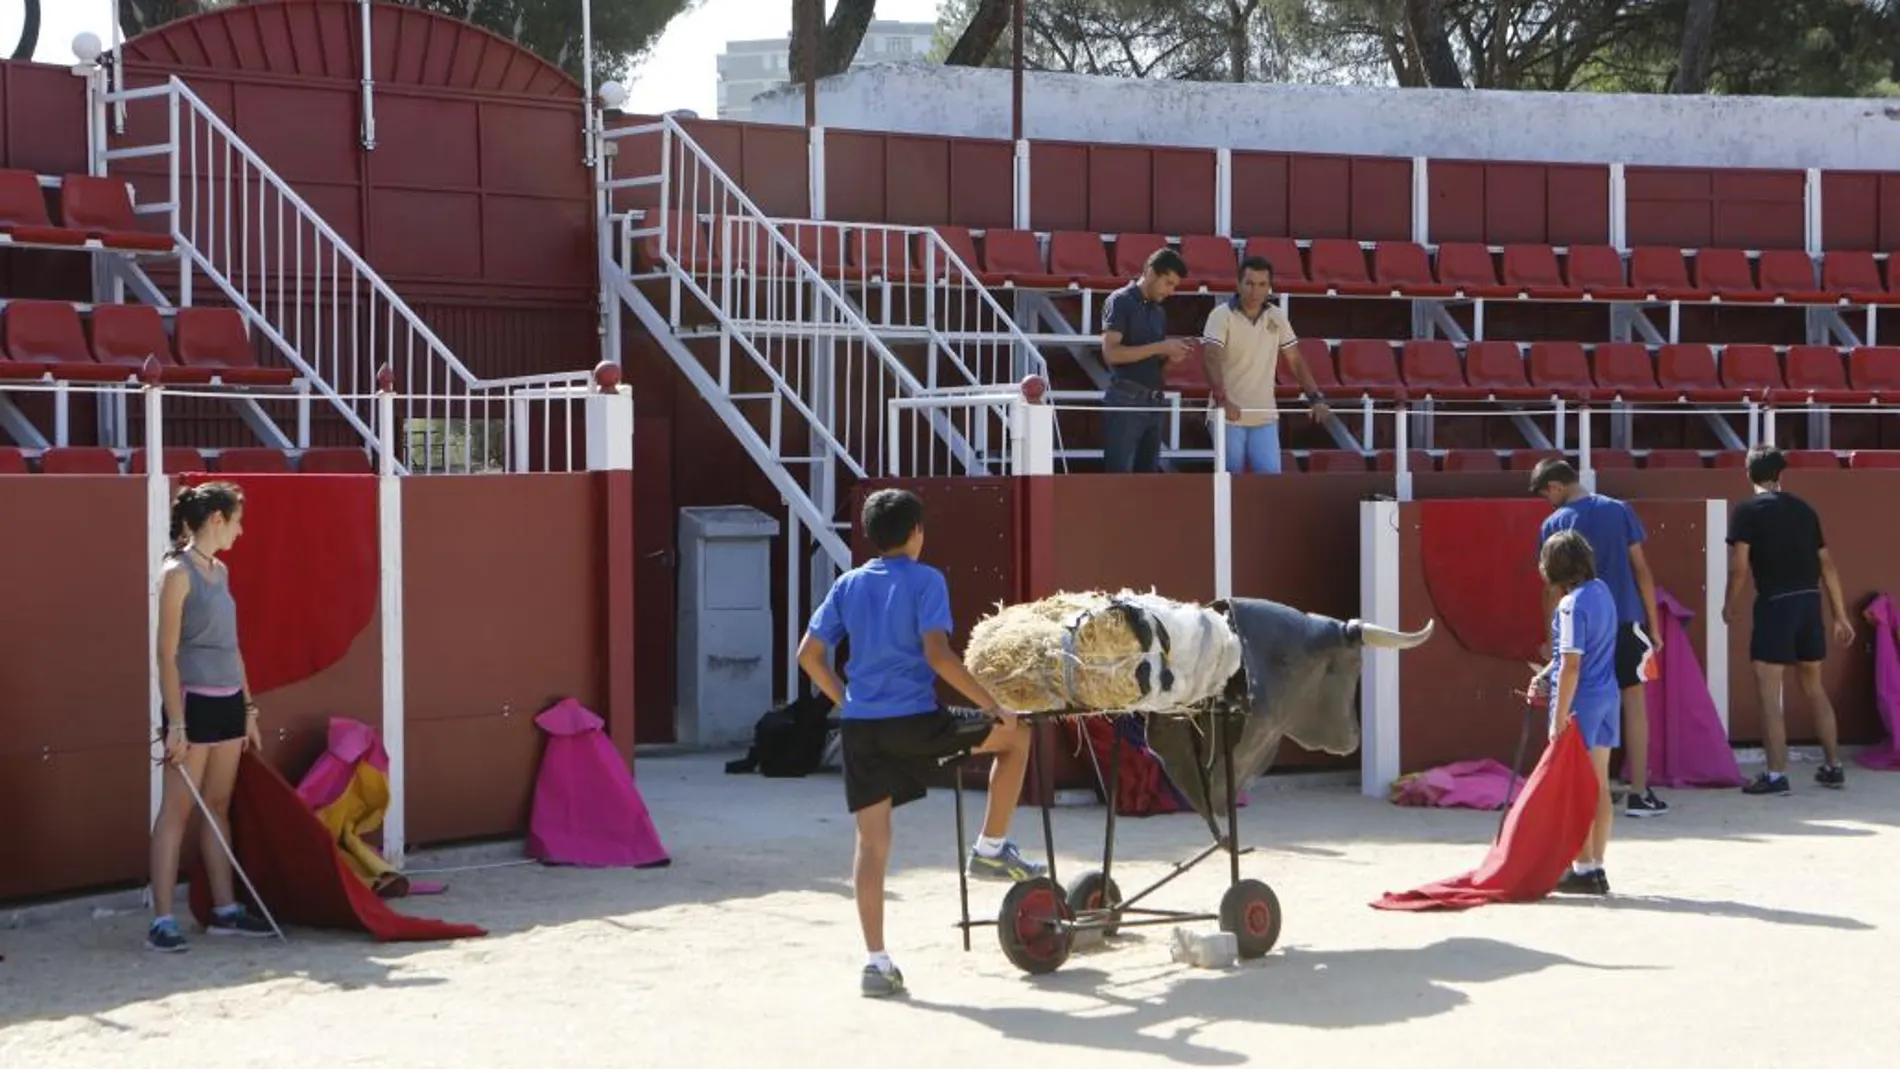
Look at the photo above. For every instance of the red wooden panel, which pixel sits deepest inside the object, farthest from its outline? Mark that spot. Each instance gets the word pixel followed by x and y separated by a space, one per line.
pixel 1889 212
pixel 855 176
pixel 982 184
pixel 1260 183
pixel 1669 206
pixel 1319 196
pixel 1121 189
pixel 527 149
pixel 724 144
pixel 1850 211
pixel 1184 191
pixel 1058 186
pixel 304 133
pixel 777 169
pixel 536 241
pixel 45 113
pixel 432 143
pixel 1457 200
pixel 1516 204
pixel 1579 203
pixel 1760 209
pixel 1381 199
pixel 426 234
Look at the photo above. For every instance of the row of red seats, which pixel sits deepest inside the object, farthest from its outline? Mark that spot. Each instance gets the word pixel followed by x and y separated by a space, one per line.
pixel 93 212
pixel 47 338
pixel 1483 460
pixel 98 460
pixel 1501 370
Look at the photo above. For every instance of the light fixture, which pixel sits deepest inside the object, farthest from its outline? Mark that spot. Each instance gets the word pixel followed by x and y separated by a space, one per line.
pixel 613 94
pixel 87 47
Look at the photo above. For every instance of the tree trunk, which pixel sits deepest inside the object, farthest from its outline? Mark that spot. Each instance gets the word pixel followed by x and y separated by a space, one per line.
pixel 1239 40
pixel 838 39
pixel 29 32
pixel 978 42
pixel 1425 23
pixel 1698 48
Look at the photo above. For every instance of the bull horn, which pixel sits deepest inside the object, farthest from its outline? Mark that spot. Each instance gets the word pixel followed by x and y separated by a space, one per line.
pixel 1387 639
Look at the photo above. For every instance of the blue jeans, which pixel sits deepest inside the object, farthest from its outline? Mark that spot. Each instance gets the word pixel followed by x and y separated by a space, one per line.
pixel 1255 449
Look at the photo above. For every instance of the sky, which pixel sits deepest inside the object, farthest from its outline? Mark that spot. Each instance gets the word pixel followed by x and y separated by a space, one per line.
pixel 679 73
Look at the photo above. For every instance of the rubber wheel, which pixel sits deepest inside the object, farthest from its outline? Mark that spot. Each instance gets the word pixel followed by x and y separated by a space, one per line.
pixel 1092 894
pixel 1251 911
pixel 1030 926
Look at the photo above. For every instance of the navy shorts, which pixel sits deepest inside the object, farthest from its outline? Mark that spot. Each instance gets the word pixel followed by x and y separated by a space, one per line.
pixel 891 758
pixel 1788 629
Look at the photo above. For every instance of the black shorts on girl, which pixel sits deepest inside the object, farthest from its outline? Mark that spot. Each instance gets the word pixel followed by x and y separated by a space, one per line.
pixel 211 719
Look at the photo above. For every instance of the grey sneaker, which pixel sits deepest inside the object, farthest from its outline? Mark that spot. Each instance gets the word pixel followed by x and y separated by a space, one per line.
pixel 1009 864
pixel 235 919
pixel 876 983
pixel 164 937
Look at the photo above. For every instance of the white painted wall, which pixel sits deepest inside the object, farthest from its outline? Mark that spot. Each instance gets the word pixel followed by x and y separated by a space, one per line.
pixel 1711 131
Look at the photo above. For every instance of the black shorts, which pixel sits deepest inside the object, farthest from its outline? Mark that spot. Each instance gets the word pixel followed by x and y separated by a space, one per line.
pixel 891 758
pixel 1788 629
pixel 209 719
pixel 1629 656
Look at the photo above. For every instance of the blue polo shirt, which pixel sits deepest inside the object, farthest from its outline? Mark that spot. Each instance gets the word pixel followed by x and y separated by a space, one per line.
pixel 1611 528
pixel 1141 322
pixel 884 608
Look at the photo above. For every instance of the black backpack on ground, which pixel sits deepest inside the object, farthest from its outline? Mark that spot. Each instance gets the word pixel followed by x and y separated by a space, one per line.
pixel 789 741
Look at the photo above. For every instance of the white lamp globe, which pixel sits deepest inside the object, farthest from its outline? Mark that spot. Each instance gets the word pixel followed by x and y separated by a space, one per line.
pixel 613 94
pixel 87 47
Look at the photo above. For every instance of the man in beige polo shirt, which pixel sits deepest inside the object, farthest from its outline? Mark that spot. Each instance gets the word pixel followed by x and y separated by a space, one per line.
pixel 1243 343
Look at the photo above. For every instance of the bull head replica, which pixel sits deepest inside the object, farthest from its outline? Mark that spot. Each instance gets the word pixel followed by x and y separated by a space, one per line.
pixel 1298 679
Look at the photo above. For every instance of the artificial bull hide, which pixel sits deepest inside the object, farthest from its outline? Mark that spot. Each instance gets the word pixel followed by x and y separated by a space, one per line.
pixel 1298 678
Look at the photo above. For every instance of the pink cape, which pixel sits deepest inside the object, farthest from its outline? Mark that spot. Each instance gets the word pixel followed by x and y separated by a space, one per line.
pixel 351 742
pixel 1687 744
pixel 1886 756
pixel 587 810
pixel 1480 784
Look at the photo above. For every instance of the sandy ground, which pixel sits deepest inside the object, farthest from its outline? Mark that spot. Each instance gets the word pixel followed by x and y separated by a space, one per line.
pixel 1745 932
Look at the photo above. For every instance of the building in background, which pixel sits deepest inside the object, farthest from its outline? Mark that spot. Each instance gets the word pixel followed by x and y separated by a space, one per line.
pixel 748 68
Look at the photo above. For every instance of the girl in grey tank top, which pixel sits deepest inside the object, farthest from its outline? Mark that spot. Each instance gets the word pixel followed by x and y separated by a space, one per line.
pixel 207 719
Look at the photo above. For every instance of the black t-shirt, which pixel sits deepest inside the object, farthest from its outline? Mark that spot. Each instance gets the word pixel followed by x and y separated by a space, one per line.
pixel 1783 535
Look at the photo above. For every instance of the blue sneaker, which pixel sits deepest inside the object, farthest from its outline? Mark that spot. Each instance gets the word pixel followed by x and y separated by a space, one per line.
pixel 235 919
pixel 877 983
pixel 164 937
pixel 1007 864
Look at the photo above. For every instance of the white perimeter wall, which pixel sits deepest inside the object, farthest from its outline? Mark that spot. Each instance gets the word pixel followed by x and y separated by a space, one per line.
pixel 1711 131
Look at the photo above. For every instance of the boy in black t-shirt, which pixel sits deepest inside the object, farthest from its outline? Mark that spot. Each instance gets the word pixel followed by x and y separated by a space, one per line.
pixel 1775 538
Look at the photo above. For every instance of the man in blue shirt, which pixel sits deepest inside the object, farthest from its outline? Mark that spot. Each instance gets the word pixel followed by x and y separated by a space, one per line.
pixel 1137 350
pixel 1616 539
pixel 895 612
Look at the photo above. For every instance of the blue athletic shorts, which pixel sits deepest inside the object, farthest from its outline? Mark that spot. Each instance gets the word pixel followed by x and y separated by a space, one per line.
pixel 1600 724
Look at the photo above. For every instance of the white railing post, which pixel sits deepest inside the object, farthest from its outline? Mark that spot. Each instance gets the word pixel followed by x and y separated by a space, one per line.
pixel 158 525
pixel 1421 201
pixel 609 421
pixel 1379 755
pixel 815 165
pixel 368 130
pixel 1586 472
pixel 1223 511
pixel 1619 209
pixel 1402 442
pixel 1815 237
pixel 1021 219
pixel 1032 431
pixel 894 438
pixel 1714 628
pixel 389 560
pixel 1224 192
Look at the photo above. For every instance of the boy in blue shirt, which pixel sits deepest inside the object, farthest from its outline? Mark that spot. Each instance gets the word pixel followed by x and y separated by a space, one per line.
pixel 896 614
pixel 1583 645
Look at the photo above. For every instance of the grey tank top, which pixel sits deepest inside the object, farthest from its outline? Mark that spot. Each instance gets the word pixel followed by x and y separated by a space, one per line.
pixel 207 632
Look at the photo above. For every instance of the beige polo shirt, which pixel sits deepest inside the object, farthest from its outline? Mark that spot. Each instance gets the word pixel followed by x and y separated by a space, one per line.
pixel 1249 357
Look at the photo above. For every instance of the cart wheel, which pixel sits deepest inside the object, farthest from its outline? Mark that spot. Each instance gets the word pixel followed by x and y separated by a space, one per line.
pixel 1251 911
pixel 1094 894
pixel 1032 926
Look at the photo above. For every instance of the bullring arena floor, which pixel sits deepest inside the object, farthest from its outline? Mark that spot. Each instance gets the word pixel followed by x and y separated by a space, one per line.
pixel 1746 932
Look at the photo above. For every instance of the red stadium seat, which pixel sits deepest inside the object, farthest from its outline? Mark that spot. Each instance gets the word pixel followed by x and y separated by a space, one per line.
pixel 1318 358
pixel 894 256
pixel 1416 460
pixel 1789 275
pixel 957 239
pixel 1672 459
pixel 1752 369
pixel 1013 256
pixel 1080 258
pixel 1324 461
pixel 1431 368
pixel 1561 368
pixel 219 340
pixel 253 460
pixel 1625 370
pixel 1868 459
pixel 12 460
pixel 1597 270
pixel 1875 368
pixel 1619 459
pixel 1527 459
pixel 23 215
pixel 1211 263
pixel 1404 267
pixel 1468 270
pixel 1817 373
pixel 1824 459
pixel 46 337
pixel 127 335
pixel 1472 460
pixel 822 246
pixel 1531 270
pixel 1662 275
pixel 1339 264
pixel 1729 459
pixel 1189 377
pixel 1728 275
pixel 1132 252
pixel 1853 275
pixel 1289 272
pixel 102 208
pixel 1367 367
pixel 686 235
pixel 79 460
pixel 178 458
pixel 346 460
pixel 1498 369
pixel 1688 370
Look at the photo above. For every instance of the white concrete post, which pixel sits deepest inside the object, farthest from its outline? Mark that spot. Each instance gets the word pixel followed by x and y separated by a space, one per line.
pixel 158 525
pixel 1224 192
pixel 1379 758
pixel 609 422
pixel 389 559
pixel 1223 511
pixel 1715 629
pixel 1619 209
pixel 1814 218
pixel 1421 201
pixel 1022 185
pixel 815 161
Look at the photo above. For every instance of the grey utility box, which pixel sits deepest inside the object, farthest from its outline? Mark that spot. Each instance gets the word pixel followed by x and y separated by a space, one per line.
pixel 725 623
